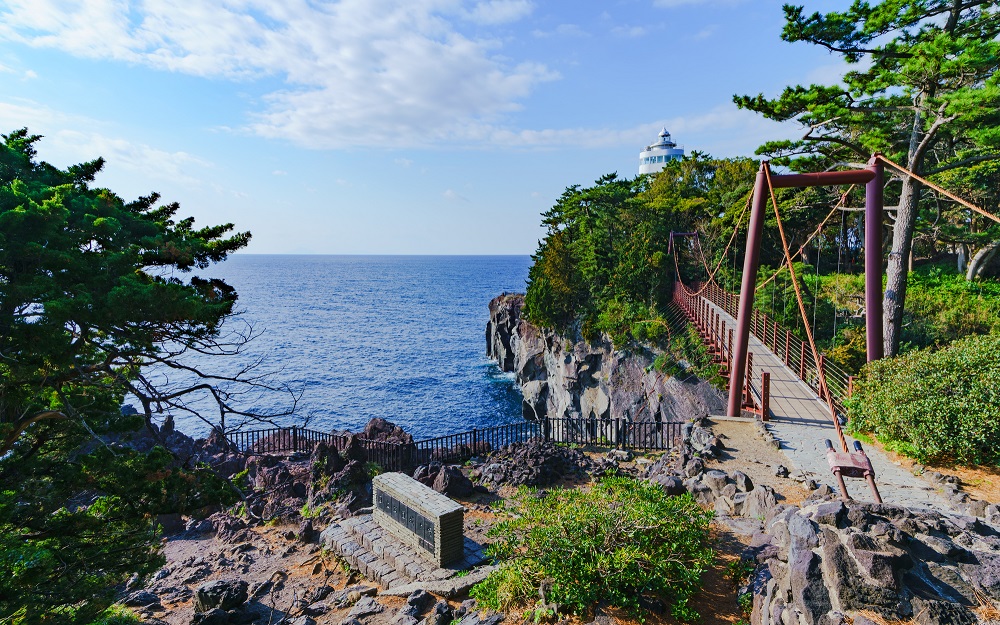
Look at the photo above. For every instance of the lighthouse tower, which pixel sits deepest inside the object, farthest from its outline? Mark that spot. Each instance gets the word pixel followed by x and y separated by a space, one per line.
pixel 656 156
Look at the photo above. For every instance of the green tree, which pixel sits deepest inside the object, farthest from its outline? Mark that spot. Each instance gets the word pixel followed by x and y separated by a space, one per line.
pixel 926 94
pixel 91 295
pixel 604 265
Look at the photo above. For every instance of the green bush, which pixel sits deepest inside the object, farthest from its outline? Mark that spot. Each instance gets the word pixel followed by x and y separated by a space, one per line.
pixel 615 542
pixel 934 405
pixel 944 306
pixel 118 614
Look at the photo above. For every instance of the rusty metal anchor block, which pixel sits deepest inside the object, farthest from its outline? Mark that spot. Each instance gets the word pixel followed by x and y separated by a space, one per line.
pixel 856 464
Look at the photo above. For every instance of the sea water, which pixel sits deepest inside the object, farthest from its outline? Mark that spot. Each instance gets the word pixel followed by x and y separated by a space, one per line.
pixel 397 337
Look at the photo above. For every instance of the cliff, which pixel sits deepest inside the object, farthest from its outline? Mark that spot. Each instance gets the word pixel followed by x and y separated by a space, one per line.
pixel 567 377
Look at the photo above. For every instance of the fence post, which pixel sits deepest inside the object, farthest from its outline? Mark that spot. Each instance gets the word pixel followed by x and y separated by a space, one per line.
pixel 788 336
pixel 475 441
pixel 729 356
pixel 765 396
pixel 747 398
pixel 850 386
pixel 802 361
pixel 295 438
pixel 820 372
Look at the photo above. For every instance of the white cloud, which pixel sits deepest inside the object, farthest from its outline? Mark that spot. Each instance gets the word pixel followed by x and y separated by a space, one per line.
pixel 499 11
pixel 66 147
pixel 30 74
pixel 279 172
pixel 629 31
pixel 722 131
pixel 403 162
pixel 150 162
pixel 355 73
pixel 562 30
pixel 832 73
pixel 453 196
pixel 705 33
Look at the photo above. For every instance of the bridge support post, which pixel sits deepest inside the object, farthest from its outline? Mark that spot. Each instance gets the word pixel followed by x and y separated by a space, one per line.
pixel 751 263
pixel 765 396
pixel 873 260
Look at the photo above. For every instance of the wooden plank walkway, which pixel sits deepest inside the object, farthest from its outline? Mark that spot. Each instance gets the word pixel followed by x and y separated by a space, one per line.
pixel 801 421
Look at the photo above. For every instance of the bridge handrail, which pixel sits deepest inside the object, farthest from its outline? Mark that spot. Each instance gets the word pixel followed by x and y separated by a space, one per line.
pixel 783 343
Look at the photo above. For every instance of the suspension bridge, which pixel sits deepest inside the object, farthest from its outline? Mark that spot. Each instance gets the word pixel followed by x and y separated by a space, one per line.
pixel 778 378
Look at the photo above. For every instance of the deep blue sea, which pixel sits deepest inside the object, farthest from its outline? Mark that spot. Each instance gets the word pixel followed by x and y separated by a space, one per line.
pixel 398 337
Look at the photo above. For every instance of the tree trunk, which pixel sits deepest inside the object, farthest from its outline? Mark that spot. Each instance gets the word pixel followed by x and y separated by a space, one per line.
pixel 898 266
pixel 981 259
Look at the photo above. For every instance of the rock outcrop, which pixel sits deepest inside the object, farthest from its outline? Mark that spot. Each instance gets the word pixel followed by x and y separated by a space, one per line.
pixel 828 563
pixel 532 463
pixel 569 378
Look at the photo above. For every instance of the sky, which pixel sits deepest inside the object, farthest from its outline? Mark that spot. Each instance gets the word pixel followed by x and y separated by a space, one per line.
pixel 388 126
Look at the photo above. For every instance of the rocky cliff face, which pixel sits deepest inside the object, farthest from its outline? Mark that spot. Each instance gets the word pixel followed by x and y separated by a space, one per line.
pixel 564 378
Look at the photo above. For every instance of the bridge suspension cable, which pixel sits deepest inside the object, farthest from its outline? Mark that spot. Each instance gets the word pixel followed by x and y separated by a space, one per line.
pixel 809 239
pixel 825 390
pixel 938 188
pixel 711 273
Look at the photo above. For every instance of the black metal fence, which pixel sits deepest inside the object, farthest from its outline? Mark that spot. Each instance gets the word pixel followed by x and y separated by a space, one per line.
pixel 283 440
pixel 464 445
pixel 617 433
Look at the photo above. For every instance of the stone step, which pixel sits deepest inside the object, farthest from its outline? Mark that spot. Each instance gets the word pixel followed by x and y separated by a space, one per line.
pixel 383 558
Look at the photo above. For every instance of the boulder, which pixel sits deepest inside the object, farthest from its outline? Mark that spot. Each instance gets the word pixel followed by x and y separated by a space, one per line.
pixel 759 503
pixel 672 485
pixel 215 616
pixel 743 482
pixel 366 606
pixel 224 594
pixel 379 429
pixel 716 480
pixel 532 463
pixel 902 564
pixel 141 598
pixel 452 482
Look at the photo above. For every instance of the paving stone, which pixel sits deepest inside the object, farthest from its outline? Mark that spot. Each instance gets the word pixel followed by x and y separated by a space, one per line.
pixel 447 588
pixel 381 557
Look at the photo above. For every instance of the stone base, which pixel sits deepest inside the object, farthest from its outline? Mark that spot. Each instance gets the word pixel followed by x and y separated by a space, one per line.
pixel 383 558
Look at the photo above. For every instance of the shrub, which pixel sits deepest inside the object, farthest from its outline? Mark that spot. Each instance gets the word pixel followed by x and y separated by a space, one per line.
pixel 935 405
pixel 118 614
pixel 619 540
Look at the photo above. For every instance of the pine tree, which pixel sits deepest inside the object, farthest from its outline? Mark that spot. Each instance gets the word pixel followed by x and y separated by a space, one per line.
pixel 926 93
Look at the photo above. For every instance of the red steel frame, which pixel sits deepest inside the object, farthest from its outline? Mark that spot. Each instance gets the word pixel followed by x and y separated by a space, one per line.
pixel 872 178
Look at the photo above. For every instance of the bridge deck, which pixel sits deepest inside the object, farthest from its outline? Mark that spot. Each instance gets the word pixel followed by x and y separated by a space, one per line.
pixel 801 421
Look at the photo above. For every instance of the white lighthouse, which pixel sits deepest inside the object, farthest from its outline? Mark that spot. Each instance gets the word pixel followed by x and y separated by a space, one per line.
pixel 656 156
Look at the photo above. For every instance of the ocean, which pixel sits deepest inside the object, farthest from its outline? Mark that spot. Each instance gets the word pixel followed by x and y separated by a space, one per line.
pixel 397 337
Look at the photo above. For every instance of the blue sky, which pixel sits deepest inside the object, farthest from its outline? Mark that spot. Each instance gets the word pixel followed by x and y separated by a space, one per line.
pixel 384 126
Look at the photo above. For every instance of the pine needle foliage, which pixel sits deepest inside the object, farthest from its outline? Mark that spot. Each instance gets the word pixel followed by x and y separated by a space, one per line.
pixel 92 292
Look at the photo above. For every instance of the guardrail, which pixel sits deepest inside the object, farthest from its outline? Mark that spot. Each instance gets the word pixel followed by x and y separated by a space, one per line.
pixel 793 351
pixel 617 433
